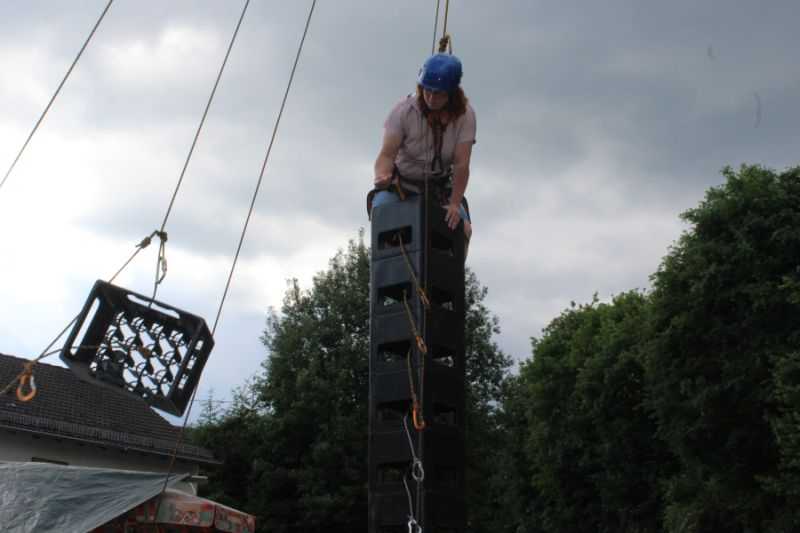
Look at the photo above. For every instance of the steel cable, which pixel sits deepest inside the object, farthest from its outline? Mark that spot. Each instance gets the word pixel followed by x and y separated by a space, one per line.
pixel 58 90
pixel 241 238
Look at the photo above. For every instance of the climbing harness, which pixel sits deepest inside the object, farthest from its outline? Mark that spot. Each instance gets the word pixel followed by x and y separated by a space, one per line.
pixel 405 188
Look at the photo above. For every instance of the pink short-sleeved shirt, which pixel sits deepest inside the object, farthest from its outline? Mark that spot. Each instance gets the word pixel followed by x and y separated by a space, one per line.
pixel 416 150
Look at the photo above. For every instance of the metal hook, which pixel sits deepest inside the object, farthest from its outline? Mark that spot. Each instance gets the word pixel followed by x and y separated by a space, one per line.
pixel 26 380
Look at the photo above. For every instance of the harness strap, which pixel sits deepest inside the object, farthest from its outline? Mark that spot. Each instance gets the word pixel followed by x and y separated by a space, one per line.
pixel 406 187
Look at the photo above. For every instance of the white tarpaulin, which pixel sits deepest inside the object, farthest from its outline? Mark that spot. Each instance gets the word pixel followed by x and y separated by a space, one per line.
pixel 41 497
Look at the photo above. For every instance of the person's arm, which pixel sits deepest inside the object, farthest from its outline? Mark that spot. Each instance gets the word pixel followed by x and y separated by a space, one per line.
pixel 384 164
pixel 461 157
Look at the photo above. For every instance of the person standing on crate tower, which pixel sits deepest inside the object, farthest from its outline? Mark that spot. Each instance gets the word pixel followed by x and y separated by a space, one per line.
pixel 428 136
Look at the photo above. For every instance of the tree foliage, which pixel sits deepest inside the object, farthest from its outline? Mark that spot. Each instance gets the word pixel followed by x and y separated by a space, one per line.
pixel 592 461
pixel 726 320
pixel 677 409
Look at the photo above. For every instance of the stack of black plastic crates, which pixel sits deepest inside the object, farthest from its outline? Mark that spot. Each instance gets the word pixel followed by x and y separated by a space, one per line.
pixel 436 255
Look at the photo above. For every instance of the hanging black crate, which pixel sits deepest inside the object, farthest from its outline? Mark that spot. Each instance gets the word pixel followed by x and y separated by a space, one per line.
pixel 138 345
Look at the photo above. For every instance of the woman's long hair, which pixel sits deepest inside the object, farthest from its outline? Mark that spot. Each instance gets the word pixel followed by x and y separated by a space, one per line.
pixel 455 107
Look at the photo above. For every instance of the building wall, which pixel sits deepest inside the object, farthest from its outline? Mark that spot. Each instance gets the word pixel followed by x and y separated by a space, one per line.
pixel 25 447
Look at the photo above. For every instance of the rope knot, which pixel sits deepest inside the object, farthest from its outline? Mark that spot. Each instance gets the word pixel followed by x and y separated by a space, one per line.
pixel 162 235
pixel 445 43
pixel 416 416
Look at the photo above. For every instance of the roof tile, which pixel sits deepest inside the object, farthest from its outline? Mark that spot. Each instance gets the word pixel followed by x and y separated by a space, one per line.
pixel 66 406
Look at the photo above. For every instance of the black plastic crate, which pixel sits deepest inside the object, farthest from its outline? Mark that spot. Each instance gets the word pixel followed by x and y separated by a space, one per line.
pixel 138 345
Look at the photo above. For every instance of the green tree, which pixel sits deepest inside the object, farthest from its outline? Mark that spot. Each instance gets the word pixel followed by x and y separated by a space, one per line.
pixel 588 445
pixel 231 434
pixel 312 470
pixel 309 453
pixel 726 319
pixel 487 371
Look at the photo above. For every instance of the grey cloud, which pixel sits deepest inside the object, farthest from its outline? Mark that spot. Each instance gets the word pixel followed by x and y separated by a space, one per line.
pixel 601 116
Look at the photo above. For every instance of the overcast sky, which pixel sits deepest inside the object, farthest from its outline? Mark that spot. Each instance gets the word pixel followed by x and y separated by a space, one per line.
pixel 598 123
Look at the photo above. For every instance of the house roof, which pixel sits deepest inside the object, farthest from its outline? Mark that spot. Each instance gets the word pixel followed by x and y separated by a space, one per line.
pixel 69 408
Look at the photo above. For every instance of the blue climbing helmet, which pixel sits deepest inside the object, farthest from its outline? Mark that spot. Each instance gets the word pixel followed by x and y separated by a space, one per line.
pixel 441 72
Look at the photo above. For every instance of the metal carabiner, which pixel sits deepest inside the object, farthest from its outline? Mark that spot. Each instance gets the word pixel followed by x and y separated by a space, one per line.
pixel 417 471
pixel 413 526
pixel 416 416
pixel 26 379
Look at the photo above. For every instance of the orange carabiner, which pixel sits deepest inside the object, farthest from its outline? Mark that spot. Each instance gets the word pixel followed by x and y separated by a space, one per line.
pixel 421 344
pixel 416 417
pixel 26 380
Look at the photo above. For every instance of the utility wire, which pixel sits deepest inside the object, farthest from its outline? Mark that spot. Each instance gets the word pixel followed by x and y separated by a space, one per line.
pixel 241 240
pixel 60 85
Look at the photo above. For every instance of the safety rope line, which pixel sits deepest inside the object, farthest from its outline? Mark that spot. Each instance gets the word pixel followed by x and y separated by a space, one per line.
pixel 413 325
pixel 423 296
pixel 435 27
pixel 446 13
pixel 446 40
pixel 182 432
pixel 416 408
pixel 161 264
pixel 58 90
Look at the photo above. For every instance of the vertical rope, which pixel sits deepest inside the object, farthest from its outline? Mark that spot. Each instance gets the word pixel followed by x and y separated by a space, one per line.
pixel 446 12
pixel 435 27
